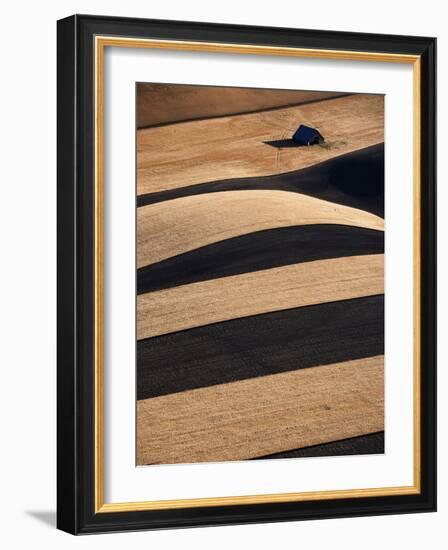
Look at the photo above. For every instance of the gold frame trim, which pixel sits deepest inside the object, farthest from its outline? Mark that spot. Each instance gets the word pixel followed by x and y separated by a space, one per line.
pixel 101 42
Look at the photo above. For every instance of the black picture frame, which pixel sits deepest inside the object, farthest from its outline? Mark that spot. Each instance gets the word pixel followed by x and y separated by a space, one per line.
pixel 76 510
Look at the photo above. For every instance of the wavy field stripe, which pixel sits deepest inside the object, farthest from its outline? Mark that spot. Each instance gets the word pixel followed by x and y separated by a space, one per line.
pixel 207 150
pixel 362 445
pixel 260 345
pixel 174 227
pixel 260 250
pixel 264 415
pixel 296 285
pixel 355 179
pixel 159 103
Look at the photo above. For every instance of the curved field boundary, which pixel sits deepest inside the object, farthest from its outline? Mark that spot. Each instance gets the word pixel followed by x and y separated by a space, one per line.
pixel 264 415
pixel 173 227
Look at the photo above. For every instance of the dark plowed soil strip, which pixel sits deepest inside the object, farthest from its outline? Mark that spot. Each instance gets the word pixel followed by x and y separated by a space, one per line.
pixel 363 445
pixel 260 250
pixel 355 179
pixel 260 345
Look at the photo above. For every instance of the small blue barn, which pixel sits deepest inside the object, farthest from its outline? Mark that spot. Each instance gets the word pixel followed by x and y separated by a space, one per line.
pixel 305 135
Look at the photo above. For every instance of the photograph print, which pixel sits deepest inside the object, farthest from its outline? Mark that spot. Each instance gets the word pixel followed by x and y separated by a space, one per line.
pixel 259 273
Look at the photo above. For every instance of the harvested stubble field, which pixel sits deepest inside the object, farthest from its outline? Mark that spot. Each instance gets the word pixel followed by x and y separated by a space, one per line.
pixel 260 275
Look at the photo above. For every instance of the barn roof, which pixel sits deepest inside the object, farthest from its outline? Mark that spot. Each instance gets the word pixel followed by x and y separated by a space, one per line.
pixel 305 135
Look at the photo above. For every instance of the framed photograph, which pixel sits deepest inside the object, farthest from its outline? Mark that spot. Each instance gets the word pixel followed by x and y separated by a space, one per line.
pixel 246 274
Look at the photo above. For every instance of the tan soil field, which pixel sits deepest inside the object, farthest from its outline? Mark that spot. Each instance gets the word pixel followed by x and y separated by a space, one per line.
pixel 165 103
pixel 233 147
pixel 291 286
pixel 264 415
pixel 172 227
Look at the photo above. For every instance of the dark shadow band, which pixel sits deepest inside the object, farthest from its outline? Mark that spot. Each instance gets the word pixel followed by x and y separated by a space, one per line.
pixel 264 344
pixel 266 249
pixel 362 445
pixel 355 179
